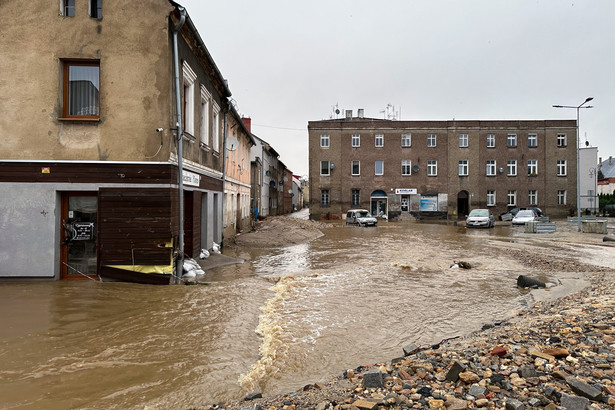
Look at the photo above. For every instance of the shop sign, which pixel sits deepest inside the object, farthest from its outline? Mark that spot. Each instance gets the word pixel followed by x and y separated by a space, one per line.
pixel 191 178
pixel 405 191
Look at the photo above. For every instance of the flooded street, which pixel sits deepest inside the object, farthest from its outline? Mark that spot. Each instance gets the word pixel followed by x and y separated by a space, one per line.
pixel 283 319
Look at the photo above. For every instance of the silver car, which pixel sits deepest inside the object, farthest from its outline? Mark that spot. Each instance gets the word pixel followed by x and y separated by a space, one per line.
pixel 480 218
pixel 360 217
pixel 523 216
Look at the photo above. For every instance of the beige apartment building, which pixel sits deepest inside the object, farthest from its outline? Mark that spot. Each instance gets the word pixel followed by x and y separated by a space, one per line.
pixel 440 169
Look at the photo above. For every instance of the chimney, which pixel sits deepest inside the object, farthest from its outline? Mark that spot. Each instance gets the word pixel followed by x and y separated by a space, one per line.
pixel 247 121
pixel 348 114
pixel 360 112
pixel 610 160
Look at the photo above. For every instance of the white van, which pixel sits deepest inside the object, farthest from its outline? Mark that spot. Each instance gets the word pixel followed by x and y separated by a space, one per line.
pixel 360 217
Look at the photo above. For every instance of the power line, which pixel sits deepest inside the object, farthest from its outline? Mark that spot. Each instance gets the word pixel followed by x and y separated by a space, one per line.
pixel 280 128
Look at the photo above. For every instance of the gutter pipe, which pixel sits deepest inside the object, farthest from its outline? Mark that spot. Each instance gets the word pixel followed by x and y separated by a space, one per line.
pixel 180 149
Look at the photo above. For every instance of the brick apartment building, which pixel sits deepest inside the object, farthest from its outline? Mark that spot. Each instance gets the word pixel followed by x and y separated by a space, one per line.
pixel 440 168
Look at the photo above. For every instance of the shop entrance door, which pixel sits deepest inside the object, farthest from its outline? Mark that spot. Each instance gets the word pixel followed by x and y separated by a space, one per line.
pixel 78 242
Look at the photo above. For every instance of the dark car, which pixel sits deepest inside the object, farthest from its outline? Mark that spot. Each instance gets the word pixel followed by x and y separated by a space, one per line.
pixel 510 214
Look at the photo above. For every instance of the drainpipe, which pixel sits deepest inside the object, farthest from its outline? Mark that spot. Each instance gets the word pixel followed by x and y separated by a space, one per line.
pixel 224 172
pixel 180 165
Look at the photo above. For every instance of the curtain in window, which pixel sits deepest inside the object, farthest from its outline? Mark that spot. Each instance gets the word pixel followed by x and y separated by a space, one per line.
pixel 83 90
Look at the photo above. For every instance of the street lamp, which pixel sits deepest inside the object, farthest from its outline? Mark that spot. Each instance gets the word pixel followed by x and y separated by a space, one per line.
pixel 577 107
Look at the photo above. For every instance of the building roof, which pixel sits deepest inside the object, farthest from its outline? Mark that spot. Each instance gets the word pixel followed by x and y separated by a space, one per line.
pixel 608 167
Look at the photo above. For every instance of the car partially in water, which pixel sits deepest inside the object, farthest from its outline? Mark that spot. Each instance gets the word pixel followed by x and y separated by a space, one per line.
pixel 524 216
pixel 360 217
pixel 480 218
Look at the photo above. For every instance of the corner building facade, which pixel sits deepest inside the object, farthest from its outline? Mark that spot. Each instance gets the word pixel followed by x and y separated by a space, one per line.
pixel 440 169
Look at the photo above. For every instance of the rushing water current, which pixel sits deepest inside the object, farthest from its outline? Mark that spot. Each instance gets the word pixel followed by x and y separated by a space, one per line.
pixel 282 319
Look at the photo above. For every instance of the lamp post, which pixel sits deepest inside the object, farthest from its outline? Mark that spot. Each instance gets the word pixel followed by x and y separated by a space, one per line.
pixel 577 107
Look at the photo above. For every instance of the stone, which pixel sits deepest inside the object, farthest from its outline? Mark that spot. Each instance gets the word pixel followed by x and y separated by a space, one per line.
pixel 373 379
pixel 436 404
pixel 409 349
pixel 475 390
pixel 514 404
pixel 402 374
pixel 364 404
pixel 454 371
pixel 570 402
pixel 610 390
pixel 499 351
pixel 481 402
pixel 252 396
pixel 534 402
pixel 583 389
pixel 558 353
pixel 469 377
pixel 537 353
pixel 528 371
pixel 453 403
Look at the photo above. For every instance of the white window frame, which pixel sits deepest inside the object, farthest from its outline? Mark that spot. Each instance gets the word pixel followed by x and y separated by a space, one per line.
pixel 464 168
pixel 432 168
pixel 490 140
pixel 463 140
pixel 532 197
pixel 376 167
pixel 325 198
pixel 325 140
pixel 406 167
pixel 327 168
pixel 189 77
pixel 205 105
pixel 215 134
pixel 406 140
pixel 490 197
pixel 532 167
pixel 562 140
pixel 379 140
pixel 511 168
pixel 356 140
pixel 512 197
pixel 532 140
pixel 511 140
pixel 432 140
pixel 562 168
pixel 352 167
pixel 491 168
pixel 561 197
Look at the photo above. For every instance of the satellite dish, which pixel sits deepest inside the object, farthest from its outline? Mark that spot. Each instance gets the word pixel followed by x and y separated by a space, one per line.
pixel 232 143
pixel 332 166
pixel 337 110
pixel 415 168
pixel 290 191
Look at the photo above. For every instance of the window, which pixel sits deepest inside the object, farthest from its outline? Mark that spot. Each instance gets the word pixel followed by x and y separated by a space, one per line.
pixel 380 140
pixel 406 165
pixel 532 197
pixel 431 140
pixel 325 168
pixel 511 168
pixel 67 8
pixel 490 198
pixel 356 167
pixel 532 140
pixel 532 167
pixel 463 140
pixel 96 9
pixel 356 140
pixel 561 140
pixel 511 140
pixel 324 197
pixel 490 140
pixel 463 167
pixel 379 167
pixel 205 105
pixel 324 140
pixel 432 168
pixel 356 197
pixel 512 198
pixel 561 197
pixel 215 135
pixel 81 90
pixel 188 106
pixel 561 167
pixel 491 168
pixel 406 140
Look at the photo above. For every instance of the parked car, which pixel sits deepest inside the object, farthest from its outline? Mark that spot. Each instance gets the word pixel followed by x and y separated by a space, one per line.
pixel 608 210
pixel 360 217
pixel 510 214
pixel 523 216
pixel 480 218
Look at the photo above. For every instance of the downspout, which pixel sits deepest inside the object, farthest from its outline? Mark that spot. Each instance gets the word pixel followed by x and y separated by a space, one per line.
pixel 180 149
pixel 224 199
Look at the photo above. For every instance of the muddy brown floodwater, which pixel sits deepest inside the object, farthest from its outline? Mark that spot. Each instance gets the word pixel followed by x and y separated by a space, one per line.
pixel 285 318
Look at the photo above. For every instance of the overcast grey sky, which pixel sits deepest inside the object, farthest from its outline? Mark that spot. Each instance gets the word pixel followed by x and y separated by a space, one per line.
pixel 289 62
